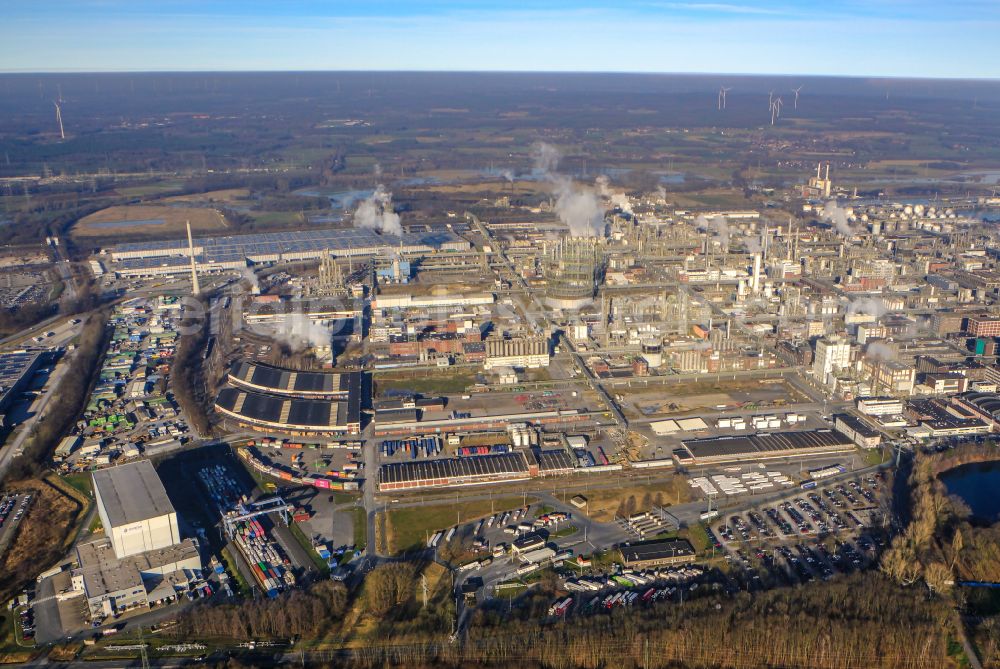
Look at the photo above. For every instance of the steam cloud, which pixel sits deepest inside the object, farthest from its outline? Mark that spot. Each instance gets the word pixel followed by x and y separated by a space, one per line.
pixel 867 305
pixel 579 207
pixel 375 212
pixel 717 224
pixel 618 198
pixel 249 275
pixel 837 216
pixel 299 332
pixel 880 351
pixel 508 175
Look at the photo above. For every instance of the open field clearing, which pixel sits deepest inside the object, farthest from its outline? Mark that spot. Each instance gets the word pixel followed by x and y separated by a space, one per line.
pixel 409 528
pixel 140 220
pixel 680 400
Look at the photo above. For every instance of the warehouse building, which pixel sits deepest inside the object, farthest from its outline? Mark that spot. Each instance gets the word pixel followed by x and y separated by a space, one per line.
pixel 16 370
pixel 857 430
pixel 134 508
pixel 289 415
pixel 276 381
pixel 448 472
pixel 111 585
pixel 216 254
pixel 938 418
pixel 403 423
pixel 650 554
pixel 521 352
pixel 142 560
pixel 762 447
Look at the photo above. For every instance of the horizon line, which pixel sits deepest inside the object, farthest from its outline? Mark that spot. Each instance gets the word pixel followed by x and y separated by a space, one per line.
pixel 899 77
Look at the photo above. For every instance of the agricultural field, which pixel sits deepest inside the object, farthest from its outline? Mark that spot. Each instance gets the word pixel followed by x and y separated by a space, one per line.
pixel 144 220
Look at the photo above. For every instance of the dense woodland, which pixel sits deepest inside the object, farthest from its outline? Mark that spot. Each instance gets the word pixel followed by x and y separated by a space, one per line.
pixel 187 375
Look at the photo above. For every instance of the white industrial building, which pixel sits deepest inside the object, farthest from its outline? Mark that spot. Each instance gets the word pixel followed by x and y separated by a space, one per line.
pixel 831 354
pixel 134 508
pixel 523 353
pixel 142 561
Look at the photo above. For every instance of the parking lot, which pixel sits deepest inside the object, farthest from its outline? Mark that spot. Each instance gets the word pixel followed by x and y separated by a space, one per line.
pixel 13 508
pixel 837 528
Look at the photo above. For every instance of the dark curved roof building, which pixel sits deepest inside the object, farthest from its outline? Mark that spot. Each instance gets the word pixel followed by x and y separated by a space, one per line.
pixel 298 383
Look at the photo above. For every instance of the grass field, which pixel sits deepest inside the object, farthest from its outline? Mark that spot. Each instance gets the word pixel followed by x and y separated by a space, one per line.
pixel 408 528
pixel 441 382
pixel 359 521
pixel 203 219
pixel 150 189
pixel 82 482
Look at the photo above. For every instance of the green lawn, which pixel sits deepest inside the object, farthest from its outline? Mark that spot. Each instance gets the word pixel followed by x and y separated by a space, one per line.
pixel 874 456
pixel 359 519
pixel 409 528
pixel 82 482
pixel 697 536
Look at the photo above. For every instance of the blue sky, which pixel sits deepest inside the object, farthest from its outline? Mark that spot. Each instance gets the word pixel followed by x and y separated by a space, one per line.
pixel 920 38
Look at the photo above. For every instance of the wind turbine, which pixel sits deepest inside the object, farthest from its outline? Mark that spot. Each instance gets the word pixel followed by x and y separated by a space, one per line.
pixel 796 91
pixel 58 105
pixel 776 110
pixel 722 96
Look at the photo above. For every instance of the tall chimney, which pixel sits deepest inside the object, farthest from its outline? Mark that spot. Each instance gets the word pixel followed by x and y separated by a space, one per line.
pixel 755 281
pixel 194 268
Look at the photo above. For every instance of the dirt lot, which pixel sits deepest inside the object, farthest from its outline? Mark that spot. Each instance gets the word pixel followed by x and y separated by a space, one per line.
pixel 692 398
pixel 44 534
pixel 603 504
pixel 202 219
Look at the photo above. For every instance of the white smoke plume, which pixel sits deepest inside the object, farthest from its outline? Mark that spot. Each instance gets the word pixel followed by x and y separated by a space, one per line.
pixel 376 212
pixel 871 306
pixel 661 192
pixel 617 198
pixel 377 170
pixel 577 206
pixel 717 224
pixel 753 244
pixel 299 332
pixel 508 175
pixel 838 217
pixel 546 158
pixel 879 351
pixel 249 275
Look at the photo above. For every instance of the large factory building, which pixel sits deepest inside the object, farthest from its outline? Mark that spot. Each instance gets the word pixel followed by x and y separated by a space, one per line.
pixel 134 508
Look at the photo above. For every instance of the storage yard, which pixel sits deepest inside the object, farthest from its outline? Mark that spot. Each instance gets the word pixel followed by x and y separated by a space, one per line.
pixel 129 413
pixel 264 557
